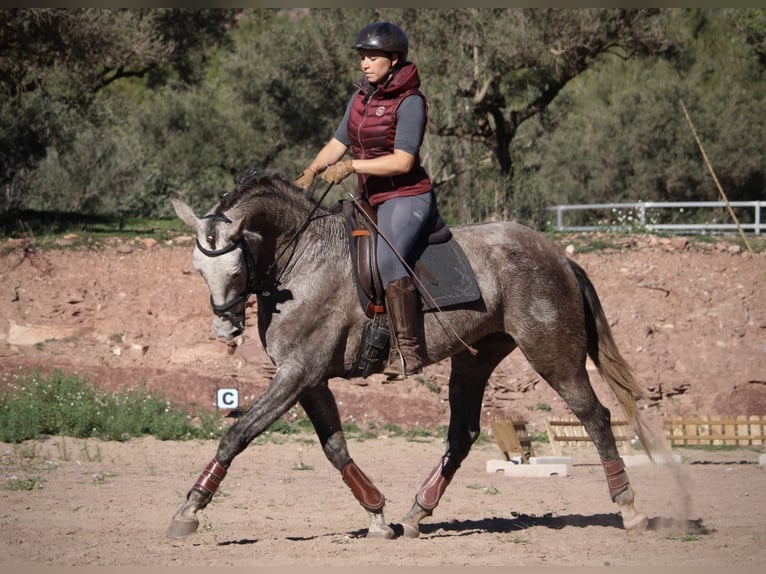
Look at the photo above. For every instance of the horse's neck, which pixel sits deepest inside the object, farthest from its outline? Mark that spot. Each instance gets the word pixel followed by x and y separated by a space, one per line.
pixel 322 243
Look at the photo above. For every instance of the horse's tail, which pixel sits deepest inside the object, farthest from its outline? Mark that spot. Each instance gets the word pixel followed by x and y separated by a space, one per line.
pixel 612 367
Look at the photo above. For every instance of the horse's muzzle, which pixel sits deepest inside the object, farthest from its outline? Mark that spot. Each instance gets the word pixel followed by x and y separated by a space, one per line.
pixel 229 325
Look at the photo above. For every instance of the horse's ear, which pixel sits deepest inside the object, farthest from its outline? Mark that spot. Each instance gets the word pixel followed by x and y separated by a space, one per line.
pixel 185 214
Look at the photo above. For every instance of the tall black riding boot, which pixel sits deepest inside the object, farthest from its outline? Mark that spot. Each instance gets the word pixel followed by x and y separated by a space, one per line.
pixel 402 306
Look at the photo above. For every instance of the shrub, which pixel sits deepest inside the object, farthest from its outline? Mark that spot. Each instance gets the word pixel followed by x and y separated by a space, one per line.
pixel 34 406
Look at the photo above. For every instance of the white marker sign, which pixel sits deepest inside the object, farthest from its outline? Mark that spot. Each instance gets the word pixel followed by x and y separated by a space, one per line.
pixel 228 398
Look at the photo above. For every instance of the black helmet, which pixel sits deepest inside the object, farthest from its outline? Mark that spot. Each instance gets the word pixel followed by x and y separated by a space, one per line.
pixel 383 36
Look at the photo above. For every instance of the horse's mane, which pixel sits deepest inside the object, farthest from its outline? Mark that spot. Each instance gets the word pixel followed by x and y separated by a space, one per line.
pixel 263 184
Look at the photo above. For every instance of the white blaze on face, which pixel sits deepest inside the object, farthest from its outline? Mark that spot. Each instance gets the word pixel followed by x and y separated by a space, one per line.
pixel 225 274
pixel 226 279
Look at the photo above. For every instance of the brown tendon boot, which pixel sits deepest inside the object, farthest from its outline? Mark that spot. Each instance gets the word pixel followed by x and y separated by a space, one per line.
pixel 403 312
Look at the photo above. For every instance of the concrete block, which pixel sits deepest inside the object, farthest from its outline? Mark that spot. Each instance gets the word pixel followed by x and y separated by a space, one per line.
pixel 550 460
pixel 762 459
pixel 496 465
pixel 511 468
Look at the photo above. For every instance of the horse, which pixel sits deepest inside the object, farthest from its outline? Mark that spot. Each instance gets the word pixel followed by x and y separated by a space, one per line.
pixel 269 238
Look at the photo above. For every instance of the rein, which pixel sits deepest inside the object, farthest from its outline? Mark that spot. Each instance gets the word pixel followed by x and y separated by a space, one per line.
pixel 293 239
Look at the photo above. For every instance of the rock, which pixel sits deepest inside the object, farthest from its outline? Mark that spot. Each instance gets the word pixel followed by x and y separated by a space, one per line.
pixel 679 243
pixel 149 242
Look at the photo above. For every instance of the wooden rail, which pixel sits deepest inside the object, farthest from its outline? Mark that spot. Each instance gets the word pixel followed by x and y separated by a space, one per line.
pixel 698 430
pixel 568 431
pixel 715 430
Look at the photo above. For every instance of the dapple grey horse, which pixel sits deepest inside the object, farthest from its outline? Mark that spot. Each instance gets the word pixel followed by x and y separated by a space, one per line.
pixel 270 239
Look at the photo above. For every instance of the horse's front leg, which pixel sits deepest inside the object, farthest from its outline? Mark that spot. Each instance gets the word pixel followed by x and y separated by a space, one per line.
pixel 322 409
pixel 282 394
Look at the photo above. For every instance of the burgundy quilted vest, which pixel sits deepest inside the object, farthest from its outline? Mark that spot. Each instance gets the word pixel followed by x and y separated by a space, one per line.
pixel 372 129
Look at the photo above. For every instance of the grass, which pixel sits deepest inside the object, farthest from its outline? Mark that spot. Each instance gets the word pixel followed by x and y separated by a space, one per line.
pixel 45 230
pixel 25 483
pixel 34 406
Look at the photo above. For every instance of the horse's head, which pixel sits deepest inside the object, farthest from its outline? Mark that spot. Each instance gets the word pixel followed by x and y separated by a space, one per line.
pixel 225 255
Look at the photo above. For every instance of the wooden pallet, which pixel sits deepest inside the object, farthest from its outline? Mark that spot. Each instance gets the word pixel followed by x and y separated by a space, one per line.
pixel 715 430
pixel 568 431
pixel 512 437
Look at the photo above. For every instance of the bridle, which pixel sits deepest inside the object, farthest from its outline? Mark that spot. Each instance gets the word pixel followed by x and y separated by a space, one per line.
pixel 268 283
pixel 252 286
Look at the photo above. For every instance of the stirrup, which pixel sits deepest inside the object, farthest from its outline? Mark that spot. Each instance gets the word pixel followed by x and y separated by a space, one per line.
pixel 395 369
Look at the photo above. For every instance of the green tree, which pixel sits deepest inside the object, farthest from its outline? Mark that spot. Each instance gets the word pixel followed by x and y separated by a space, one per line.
pixel 56 61
pixel 621 135
pixel 486 73
pixel 750 24
pixel 113 111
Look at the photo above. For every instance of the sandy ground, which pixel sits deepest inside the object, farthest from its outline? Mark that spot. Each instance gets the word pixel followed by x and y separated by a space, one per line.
pixel 690 317
pixel 108 504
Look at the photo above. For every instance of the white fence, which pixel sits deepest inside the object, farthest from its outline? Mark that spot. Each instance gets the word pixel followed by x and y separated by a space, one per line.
pixel 636 215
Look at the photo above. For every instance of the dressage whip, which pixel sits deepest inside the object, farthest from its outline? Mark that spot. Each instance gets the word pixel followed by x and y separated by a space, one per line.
pixel 433 302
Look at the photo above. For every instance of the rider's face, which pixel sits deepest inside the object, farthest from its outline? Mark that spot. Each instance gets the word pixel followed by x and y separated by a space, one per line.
pixel 375 64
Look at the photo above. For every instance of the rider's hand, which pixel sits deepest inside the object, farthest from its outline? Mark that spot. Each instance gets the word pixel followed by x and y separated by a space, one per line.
pixel 338 171
pixel 306 178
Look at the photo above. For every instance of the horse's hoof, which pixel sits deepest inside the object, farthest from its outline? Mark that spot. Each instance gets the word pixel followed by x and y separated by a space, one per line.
pixel 381 533
pixel 182 528
pixel 409 531
pixel 636 524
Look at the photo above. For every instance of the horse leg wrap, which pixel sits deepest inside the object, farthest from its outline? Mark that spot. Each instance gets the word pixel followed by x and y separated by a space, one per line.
pixel 616 477
pixel 210 479
pixel 437 482
pixel 364 491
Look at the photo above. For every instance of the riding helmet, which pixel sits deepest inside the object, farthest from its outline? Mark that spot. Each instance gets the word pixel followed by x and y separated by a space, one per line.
pixel 383 36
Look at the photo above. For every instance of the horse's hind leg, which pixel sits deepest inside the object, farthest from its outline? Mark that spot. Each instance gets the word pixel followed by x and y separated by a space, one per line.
pixel 322 410
pixel 468 379
pixel 579 396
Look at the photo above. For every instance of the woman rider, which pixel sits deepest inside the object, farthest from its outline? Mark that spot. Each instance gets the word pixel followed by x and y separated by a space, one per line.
pixel 384 125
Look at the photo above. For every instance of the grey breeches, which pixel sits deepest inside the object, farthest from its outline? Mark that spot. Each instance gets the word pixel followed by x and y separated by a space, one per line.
pixel 401 220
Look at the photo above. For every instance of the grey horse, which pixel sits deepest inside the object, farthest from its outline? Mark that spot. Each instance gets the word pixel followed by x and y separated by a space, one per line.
pixel 270 239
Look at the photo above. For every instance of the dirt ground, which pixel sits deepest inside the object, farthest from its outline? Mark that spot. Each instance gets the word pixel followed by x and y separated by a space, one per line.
pixel 689 316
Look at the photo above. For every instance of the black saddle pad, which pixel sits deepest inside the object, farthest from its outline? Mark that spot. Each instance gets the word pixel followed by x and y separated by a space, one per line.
pixel 445 276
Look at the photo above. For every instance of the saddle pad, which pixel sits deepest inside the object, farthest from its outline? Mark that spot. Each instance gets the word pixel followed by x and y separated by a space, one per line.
pixel 444 271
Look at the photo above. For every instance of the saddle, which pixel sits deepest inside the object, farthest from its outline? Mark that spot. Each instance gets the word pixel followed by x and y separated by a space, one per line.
pixel 444 276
